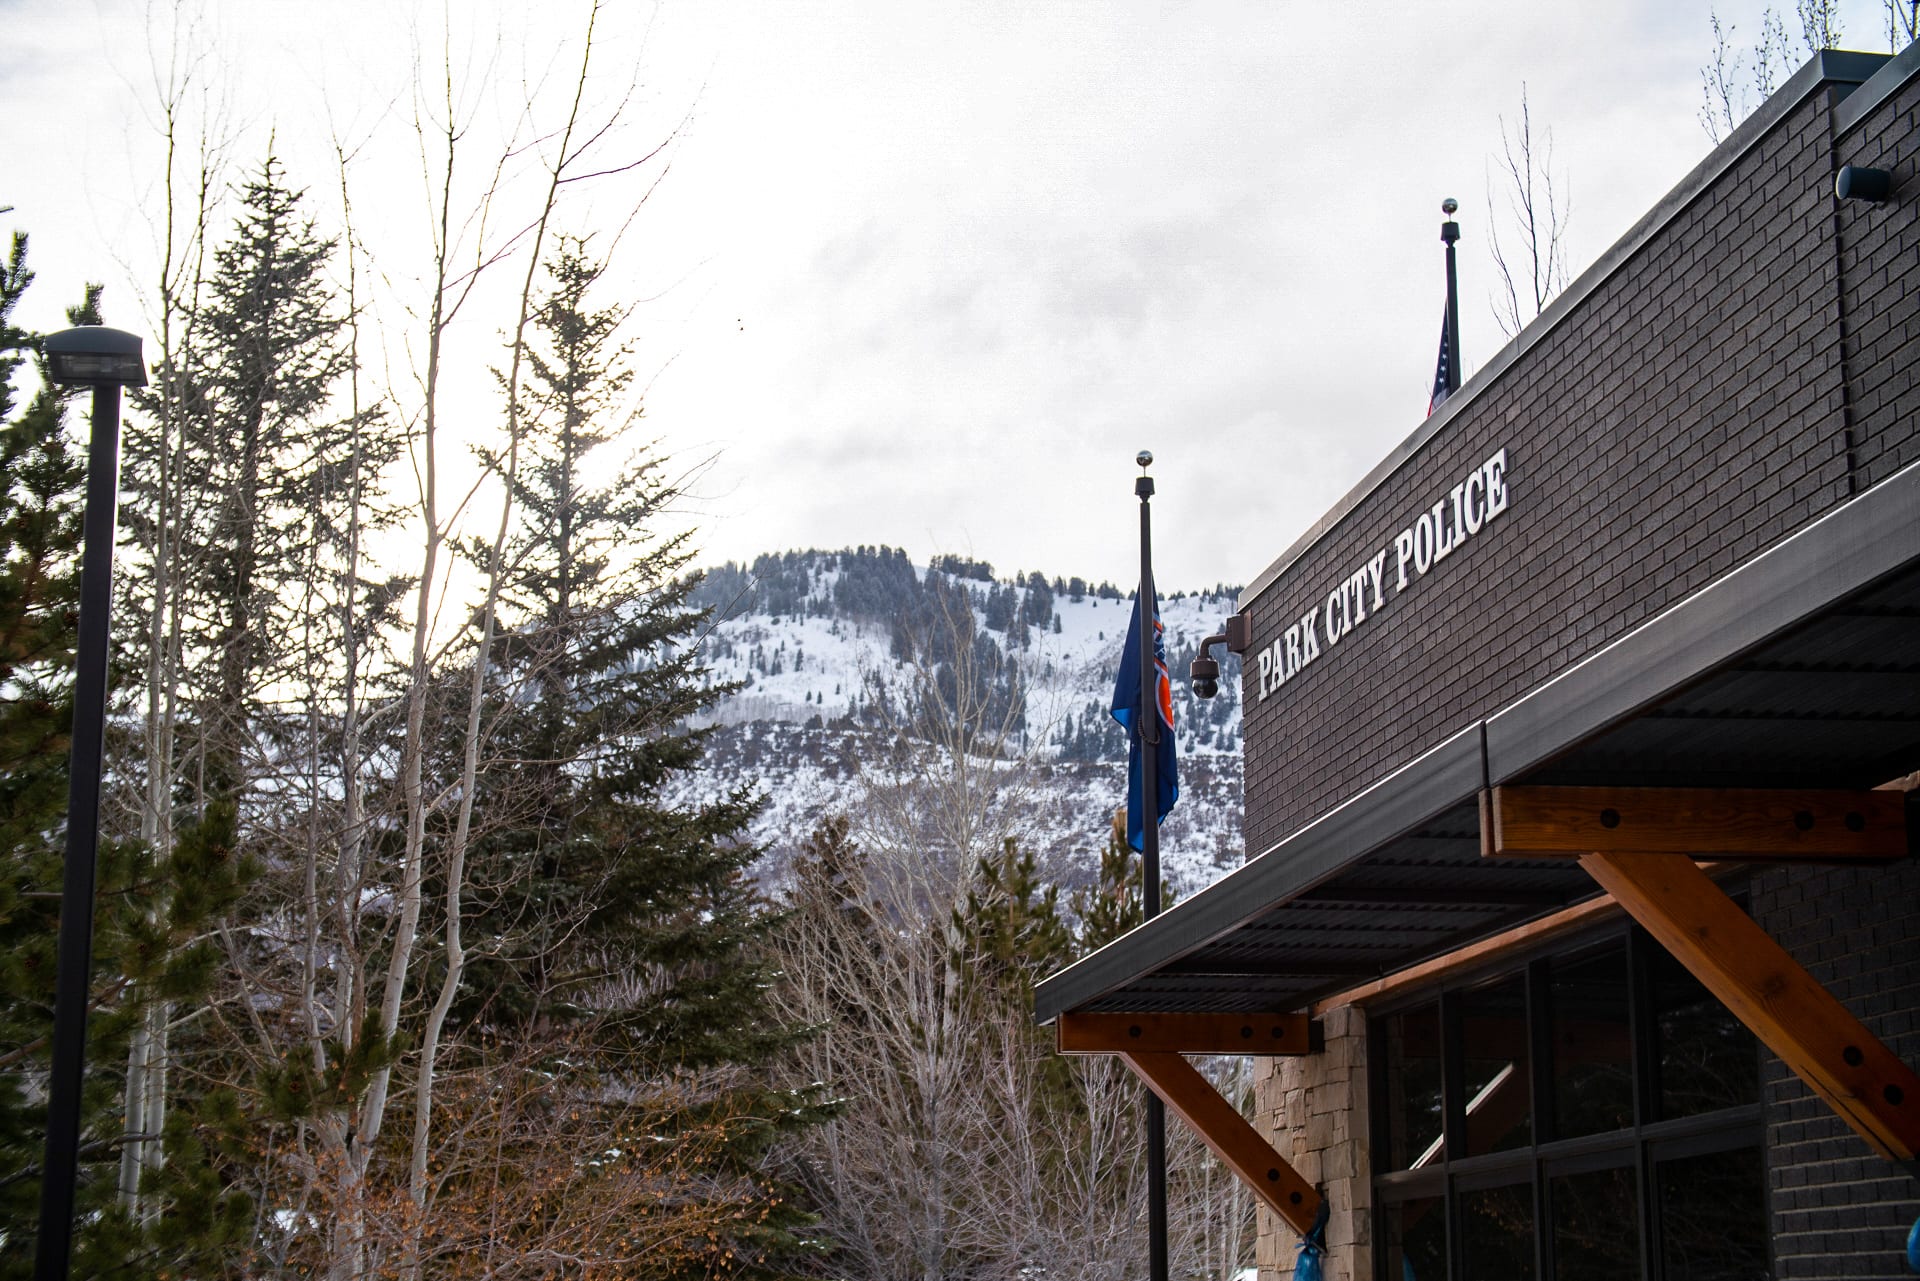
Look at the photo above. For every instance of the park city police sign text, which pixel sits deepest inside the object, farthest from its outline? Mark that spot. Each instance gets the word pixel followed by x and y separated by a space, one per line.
pixel 1435 535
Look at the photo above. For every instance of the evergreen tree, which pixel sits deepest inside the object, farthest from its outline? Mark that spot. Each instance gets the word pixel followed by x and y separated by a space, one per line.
pixel 239 515
pixel 1113 905
pixel 1011 934
pixel 42 484
pixel 135 959
pixel 625 916
pixel 269 459
pixel 1036 606
pixel 998 615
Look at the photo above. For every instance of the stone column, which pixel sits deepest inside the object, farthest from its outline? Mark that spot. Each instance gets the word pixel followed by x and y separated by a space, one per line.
pixel 1313 1109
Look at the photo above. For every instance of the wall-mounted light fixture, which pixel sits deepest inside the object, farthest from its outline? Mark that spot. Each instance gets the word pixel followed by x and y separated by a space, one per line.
pixel 1856 182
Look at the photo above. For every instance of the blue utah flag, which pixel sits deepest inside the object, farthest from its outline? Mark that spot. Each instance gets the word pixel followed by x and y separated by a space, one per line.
pixel 1126 706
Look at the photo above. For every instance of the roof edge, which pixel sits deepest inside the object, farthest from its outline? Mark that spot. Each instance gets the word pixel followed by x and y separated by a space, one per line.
pixel 1876 89
pixel 1882 72
pixel 1430 784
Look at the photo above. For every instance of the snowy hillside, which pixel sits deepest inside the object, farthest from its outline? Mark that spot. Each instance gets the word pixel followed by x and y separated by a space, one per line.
pixel 838 654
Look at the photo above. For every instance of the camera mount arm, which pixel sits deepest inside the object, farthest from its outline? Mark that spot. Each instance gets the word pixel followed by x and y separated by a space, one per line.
pixel 1205 669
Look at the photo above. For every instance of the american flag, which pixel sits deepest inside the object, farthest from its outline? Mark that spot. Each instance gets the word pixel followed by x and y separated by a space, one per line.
pixel 1440 379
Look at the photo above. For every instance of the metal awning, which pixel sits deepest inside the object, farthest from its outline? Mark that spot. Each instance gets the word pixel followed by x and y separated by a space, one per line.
pixel 1800 669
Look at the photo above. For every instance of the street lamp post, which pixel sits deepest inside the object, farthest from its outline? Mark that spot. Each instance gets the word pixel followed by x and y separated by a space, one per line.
pixel 106 360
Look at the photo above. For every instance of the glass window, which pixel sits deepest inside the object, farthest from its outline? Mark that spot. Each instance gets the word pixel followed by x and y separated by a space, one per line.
pixel 1707 1058
pixel 1592 1043
pixel 1412 1084
pixel 1596 1225
pixel 1713 1217
pixel 1417 1240
pixel 1497 1099
pixel 1515 1129
pixel 1496 1233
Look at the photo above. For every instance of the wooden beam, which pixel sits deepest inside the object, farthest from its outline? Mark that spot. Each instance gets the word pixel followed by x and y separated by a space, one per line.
pixel 1472 956
pixel 1766 989
pixel 1192 1098
pixel 1183 1033
pixel 1720 823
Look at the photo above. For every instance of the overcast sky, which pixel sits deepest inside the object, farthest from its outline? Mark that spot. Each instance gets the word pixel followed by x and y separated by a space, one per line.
pixel 929 275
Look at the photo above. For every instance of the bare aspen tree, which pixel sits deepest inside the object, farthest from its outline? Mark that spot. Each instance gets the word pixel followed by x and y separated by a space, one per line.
pixel 1044 1161
pixel 1819 24
pixel 1724 104
pixel 1903 23
pixel 190 123
pixel 558 171
pixel 1725 79
pixel 926 827
pixel 450 287
pixel 1531 257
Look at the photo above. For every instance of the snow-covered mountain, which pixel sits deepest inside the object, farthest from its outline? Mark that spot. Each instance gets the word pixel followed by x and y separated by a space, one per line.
pixel 839 655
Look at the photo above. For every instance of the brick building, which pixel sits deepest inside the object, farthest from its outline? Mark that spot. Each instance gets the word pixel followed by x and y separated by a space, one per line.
pixel 1579 923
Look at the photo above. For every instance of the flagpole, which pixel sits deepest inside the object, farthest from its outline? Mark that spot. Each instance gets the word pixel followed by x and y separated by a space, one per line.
pixel 1449 234
pixel 1149 716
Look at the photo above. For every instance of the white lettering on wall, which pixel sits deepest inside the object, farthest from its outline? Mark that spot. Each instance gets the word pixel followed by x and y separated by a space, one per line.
pixel 1462 511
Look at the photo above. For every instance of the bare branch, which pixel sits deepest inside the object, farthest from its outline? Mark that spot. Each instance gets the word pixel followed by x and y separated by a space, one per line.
pixel 1531 258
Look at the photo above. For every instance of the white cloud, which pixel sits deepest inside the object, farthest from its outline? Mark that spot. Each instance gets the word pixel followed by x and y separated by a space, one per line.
pixel 928 276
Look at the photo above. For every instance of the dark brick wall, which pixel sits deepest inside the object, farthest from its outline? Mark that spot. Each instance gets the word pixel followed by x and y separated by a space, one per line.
pixel 1881 267
pixel 1688 414
pixel 1839 1210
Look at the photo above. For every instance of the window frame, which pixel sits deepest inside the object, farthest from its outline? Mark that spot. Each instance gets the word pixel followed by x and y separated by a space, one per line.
pixel 1644 1146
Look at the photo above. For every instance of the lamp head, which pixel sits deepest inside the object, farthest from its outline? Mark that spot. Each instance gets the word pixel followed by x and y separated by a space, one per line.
pixel 95 356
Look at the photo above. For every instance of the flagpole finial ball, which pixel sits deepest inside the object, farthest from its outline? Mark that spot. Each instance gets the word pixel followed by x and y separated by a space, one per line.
pixel 1449 206
pixel 1144 458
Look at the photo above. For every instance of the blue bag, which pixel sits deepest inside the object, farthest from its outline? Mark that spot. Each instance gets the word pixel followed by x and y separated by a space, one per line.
pixel 1313 1247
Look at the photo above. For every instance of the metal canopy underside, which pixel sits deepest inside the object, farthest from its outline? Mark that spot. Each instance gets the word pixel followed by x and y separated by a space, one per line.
pixel 1800 669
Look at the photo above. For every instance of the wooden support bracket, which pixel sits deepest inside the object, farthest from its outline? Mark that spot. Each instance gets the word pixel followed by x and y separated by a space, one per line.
pixel 1262 1034
pixel 1766 989
pixel 1717 823
pixel 1192 1098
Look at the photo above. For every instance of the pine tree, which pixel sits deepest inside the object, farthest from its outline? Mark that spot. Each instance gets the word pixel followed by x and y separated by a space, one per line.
pixel 1012 931
pixel 237 492
pixel 1113 905
pixel 270 459
pixel 42 484
pixel 628 918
